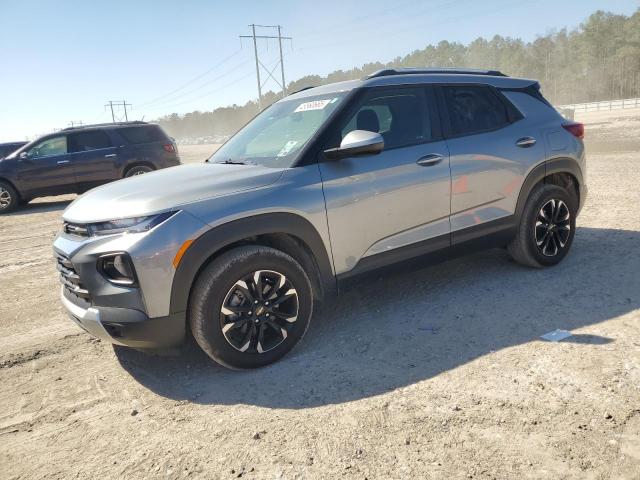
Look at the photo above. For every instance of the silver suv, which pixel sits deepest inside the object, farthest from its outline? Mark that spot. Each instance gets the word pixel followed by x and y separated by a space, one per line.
pixel 325 185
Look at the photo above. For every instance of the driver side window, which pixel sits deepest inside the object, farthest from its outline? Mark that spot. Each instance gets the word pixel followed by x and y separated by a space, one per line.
pixel 50 147
pixel 400 115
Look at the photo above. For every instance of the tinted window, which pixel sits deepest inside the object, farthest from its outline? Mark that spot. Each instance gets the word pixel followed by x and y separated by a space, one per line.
pixel 49 147
pixel 474 109
pixel 91 140
pixel 145 134
pixel 399 115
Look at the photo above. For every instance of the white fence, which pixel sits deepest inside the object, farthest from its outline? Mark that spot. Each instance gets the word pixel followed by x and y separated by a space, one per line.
pixel 601 106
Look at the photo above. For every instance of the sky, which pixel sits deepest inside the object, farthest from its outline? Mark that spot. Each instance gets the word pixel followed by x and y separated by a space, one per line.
pixel 64 60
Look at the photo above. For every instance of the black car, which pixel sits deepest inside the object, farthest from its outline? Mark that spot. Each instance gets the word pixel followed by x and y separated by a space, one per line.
pixel 7 148
pixel 77 159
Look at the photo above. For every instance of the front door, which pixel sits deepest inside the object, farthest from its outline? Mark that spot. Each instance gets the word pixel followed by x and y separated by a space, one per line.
pixel 394 201
pixel 47 169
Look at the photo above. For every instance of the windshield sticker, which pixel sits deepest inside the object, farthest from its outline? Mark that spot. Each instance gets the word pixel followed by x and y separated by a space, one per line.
pixel 287 148
pixel 315 105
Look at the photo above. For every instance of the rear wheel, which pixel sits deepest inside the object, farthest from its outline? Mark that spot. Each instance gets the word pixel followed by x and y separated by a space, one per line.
pixel 137 170
pixel 9 198
pixel 250 306
pixel 546 229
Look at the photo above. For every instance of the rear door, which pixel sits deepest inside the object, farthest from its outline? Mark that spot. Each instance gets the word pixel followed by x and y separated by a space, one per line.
pixel 94 158
pixel 492 148
pixel 47 168
pixel 393 202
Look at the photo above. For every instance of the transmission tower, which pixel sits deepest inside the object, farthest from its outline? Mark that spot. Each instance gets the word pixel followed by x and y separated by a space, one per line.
pixel 119 105
pixel 260 65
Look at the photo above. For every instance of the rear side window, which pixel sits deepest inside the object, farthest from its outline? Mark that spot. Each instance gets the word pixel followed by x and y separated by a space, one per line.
pixel 474 109
pixel 145 134
pixel 90 140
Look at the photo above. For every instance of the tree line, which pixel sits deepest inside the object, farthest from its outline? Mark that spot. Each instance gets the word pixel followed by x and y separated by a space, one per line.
pixel 599 60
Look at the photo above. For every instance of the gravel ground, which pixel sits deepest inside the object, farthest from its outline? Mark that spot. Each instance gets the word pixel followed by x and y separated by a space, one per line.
pixel 432 374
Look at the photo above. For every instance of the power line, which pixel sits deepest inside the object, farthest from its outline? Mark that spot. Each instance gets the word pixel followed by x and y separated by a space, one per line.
pixel 206 94
pixel 195 89
pixel 118 104
pixel 259 64
pixel 403 28
pixel 193 80
pixel 210 92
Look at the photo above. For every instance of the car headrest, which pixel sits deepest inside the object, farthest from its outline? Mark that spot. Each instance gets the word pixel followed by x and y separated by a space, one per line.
pixel 368 120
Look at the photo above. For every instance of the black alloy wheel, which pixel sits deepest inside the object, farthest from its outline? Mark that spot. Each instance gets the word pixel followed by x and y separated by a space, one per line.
pixel 258 311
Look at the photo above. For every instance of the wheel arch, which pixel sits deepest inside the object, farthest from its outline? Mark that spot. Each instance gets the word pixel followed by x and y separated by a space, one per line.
pixel 564 172
pixel 287 232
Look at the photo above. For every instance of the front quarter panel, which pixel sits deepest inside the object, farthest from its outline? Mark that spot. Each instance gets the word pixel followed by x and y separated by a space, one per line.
pixel 293 205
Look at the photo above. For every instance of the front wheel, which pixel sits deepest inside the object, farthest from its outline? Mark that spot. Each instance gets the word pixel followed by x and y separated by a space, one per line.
pixel 9 198
pixel 250 306
pixel 546 229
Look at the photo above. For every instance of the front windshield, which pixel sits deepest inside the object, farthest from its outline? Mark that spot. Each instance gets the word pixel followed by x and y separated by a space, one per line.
pixel 276 136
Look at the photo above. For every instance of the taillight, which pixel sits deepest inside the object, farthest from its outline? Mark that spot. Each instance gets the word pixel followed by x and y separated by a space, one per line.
pixel 169 148
pixel 574 128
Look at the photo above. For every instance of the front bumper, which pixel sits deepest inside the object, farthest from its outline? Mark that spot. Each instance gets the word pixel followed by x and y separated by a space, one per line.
pixel 125 326
pixel 136 315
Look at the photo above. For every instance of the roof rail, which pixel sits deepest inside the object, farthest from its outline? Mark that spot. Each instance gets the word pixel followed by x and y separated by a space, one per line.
pixel 108 124
pixel 302 89
pixel 442 71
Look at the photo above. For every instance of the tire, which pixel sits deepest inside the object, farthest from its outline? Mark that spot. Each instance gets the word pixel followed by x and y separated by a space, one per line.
pixel 232 337
pixel 137 170
pixel 546 229
pixel 9 198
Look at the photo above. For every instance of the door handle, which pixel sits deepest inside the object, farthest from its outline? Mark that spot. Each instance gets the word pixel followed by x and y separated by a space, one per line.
pixel 62 162
pixel 525 142
pixel 430 160
pixel 111 155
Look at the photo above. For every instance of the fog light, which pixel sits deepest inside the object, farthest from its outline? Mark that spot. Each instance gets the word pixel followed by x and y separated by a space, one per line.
pixel 117 268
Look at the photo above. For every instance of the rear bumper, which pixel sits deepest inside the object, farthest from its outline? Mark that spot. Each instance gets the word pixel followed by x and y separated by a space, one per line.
pixel 125 326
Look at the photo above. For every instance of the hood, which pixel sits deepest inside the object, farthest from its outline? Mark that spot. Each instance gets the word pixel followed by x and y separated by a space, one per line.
pixel 166 189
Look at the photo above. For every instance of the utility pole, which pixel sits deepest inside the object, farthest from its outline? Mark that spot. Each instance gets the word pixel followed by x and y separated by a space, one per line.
pixel 117 104
pixel 254 37
pixel 255 53
pixel 113 119
pixel 284 85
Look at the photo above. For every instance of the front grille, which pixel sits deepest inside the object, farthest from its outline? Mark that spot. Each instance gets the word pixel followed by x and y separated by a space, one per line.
pixel 76 229
pixel 69 277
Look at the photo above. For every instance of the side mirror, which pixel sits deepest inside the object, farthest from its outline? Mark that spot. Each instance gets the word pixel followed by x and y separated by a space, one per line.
pixel 357 142
pixel 23 155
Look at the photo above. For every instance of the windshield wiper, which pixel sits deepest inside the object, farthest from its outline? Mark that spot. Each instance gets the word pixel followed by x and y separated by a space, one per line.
pixel 235 162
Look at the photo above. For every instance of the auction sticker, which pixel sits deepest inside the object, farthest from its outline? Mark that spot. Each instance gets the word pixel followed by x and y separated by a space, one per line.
pixel 315 105
pixel 287 148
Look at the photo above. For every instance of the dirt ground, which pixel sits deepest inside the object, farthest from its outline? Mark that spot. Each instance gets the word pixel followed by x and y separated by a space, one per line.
pixel 432 374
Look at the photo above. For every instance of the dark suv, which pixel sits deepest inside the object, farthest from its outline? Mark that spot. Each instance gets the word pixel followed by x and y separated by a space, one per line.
pixel 75 160
pixel 7 148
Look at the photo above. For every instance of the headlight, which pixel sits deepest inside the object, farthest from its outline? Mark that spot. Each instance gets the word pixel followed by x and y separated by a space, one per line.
pixel 129 225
